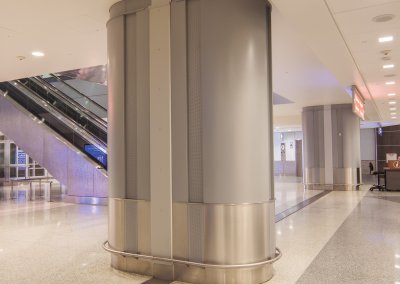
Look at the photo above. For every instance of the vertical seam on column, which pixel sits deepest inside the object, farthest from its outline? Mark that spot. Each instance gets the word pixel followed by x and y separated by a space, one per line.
pixel 270 108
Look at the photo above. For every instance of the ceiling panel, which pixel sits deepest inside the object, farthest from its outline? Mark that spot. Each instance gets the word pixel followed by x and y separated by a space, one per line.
pixel 348 5
pixel 361 34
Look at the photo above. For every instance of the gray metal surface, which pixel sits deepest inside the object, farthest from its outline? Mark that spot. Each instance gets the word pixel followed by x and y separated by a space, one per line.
pixel 249 241
pixel 211 161
pixel 331 147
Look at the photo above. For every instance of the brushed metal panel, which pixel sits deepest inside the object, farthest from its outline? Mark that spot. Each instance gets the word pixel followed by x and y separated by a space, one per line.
pixel 314 175
pixel 179 102
pixel 237 234
pixel 163 270
pixel 116 115
pixel 235 124
pixel 197 275
pixel 138 266
pixel 160 130
pixel 190 274
pixel 194 102
pixel 119 262
pixel 144 227
pixel 239 276
pixel 180 230
pixel 130 107
pixel 345 176
pixel 131 225
pixel 116 223
pixel 143 105
pixel 196 231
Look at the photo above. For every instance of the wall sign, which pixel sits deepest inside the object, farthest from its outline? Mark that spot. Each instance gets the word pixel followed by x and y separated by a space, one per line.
pixel 358 103
pixel 21 157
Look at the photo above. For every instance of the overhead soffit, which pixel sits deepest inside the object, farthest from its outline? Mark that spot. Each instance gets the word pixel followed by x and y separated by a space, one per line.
pixel 361 33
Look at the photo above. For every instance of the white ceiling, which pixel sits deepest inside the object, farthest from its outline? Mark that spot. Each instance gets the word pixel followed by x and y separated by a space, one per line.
pixel 71 33
pixel 354 19
pixel 320 47
pixel 343 36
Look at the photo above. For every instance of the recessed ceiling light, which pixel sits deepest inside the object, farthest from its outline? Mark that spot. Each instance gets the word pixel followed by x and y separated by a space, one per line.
pixel 391 94
pixel 392 102
pixel 387 66
pixel 37 53
pixel 390 83
pixel 383 18
pixel 385 38
pixel 392 108
pixel 394 117
pixel 393 113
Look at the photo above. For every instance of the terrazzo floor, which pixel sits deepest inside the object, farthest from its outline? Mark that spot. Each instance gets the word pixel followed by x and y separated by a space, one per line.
pixel 343 237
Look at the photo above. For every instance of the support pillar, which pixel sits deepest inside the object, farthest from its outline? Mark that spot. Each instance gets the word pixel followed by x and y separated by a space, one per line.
pixel 190 139
pixel 332 158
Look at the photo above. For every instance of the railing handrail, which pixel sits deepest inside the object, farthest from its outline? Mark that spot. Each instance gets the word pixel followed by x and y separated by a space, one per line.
pixel 79 92
pixel 277 256
pixel 66 120
pixel 99 122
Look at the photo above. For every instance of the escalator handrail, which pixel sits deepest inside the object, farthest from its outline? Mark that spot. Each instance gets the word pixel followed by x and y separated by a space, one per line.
pixel 77 128
pixel 99 122
pixel 77 91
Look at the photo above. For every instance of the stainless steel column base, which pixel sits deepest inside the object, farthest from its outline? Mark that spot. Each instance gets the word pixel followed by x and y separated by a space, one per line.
pixel 89 200
pixel 335 187
pixel 198 275
pixel 191 272
pixel 213 243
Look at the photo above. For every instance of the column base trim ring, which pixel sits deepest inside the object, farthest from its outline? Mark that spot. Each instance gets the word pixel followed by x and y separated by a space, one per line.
pixel 278 255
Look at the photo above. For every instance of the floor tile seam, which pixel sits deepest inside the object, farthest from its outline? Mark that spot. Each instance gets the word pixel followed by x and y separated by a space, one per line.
pixel 300 206
pixel 333 235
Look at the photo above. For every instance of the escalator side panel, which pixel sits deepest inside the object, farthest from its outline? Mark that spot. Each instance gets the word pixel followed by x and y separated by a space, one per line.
pixel 58 156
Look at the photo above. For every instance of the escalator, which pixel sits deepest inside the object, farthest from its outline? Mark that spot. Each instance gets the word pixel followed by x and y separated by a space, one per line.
pixel 82 128
pixel 66 133
pixel 88 94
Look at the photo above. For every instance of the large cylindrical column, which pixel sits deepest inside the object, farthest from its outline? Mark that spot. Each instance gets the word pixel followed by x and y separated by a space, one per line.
pixel 190 148
pixel 331 147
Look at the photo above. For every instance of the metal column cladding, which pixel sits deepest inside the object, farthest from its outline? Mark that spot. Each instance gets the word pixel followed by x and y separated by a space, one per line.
pixel 331 146
pixel 221 167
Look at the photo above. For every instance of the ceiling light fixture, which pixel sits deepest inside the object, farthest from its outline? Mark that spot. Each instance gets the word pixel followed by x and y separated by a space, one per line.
pixel 387 66
pixel 385 39
pixel 395 117
pixel 392 102
pixel 391 94
pixel 390 83
pixel 37 53
pixel 392 108
pixel 383 18
pixel 393 113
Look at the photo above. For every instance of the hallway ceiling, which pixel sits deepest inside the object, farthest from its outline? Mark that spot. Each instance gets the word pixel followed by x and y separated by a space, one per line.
pixel 343 36
pixel 320 47
pixel 72 34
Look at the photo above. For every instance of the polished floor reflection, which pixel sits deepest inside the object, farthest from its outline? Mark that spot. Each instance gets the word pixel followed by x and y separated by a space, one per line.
pixel 342 237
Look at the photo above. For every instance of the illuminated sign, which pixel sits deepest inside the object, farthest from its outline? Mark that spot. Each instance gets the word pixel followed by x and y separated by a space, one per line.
pixel 358 103
pixel 97 154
